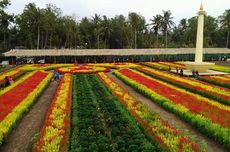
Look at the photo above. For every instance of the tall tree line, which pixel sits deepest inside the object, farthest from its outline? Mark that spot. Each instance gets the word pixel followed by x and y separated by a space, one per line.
pixel 48 28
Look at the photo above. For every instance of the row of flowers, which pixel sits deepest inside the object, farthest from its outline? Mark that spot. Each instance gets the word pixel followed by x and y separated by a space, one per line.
pixel 18 98
pixel 13 73
pixel 54 135
pixel 158 66
pixel 115 65
pixel 161 130
pixel 32 67
pixel 209 117
pixel 222 81
pixel 81 69
pixel 172 64
pixel 208 90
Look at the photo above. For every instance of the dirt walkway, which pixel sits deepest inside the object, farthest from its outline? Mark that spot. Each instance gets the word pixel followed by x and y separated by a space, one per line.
pixel 173 120
pixel 23 136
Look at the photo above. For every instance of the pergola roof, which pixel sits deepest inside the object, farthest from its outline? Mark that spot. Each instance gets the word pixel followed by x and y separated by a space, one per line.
pixel 110 52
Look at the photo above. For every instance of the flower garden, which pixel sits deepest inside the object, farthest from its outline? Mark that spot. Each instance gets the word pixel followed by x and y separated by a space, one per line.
pixel 92 111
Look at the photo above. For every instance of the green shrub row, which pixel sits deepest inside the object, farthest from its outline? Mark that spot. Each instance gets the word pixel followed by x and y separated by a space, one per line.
pixel 100 123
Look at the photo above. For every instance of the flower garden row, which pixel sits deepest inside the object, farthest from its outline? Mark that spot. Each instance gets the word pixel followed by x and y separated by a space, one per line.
pixel 222 80
pixel 205 89
pixel 16 99
pixel 164 133
pixel 101 123
pixel 209 117
pixel 54 135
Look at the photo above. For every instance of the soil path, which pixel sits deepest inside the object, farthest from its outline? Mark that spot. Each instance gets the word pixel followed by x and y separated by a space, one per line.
pixel 24 135
pixel 173 120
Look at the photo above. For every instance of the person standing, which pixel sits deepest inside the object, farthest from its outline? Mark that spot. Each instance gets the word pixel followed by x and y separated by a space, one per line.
pixel 7 83
pixel 181 72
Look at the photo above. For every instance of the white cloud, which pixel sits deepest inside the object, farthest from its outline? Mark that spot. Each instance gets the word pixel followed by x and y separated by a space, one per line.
pixel 148 8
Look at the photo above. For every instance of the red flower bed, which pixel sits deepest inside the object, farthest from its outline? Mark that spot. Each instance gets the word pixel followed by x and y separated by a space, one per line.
pixel 12 98
pixel 194 104
pixel 189 83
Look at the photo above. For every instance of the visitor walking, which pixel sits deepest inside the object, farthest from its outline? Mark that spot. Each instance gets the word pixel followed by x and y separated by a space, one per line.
pixel 56 76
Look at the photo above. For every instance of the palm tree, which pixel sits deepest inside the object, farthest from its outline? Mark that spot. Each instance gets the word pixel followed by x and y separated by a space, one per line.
pixel 34 13
pixel 166 24
pixel 97 21
pixel 183 24
pixel 156 23
pixel 134 21
pixel 106 28
pixel 225 23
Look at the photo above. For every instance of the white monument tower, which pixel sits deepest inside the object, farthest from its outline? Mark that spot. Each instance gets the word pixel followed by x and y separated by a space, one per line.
pixel 199 65
pixel 199 36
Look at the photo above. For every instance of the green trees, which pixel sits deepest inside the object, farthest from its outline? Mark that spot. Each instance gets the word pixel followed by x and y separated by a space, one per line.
pixel 225 24
pixel 47 28
pixel 156 23
pixel 5 20
pixel 167 23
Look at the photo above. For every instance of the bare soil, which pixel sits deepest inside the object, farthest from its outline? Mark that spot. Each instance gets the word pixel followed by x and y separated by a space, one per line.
pixel 26 132
pixel 172 119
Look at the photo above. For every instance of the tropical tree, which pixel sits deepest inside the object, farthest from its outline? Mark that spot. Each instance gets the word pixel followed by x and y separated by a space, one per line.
pixel 133 20
pixel 97 21
pixel 5 20
pixel 225 23
pixel 156 23
pixel 167 23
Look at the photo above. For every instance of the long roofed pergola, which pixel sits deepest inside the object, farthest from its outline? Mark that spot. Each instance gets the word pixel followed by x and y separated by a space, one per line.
pixel 114 55
pixel 110 52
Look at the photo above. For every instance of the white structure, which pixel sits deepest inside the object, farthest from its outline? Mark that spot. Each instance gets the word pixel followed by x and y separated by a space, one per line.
pixel 199 65
pixel 199 36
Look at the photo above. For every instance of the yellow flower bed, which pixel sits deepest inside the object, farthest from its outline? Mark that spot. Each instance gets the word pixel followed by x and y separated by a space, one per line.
pixel 56 127
pixel 9 73
pixel 220 77
pixel 115 65
pixel 11 119
pixel 32 67
pixel 172 64
pixel 81 69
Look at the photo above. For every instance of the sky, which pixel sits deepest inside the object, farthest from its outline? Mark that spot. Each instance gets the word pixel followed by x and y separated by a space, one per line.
pixel 147 8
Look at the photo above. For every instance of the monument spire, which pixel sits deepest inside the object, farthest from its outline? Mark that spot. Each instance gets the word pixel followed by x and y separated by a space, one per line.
pixel 201 7
pixel 199 36
pixel 199 65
